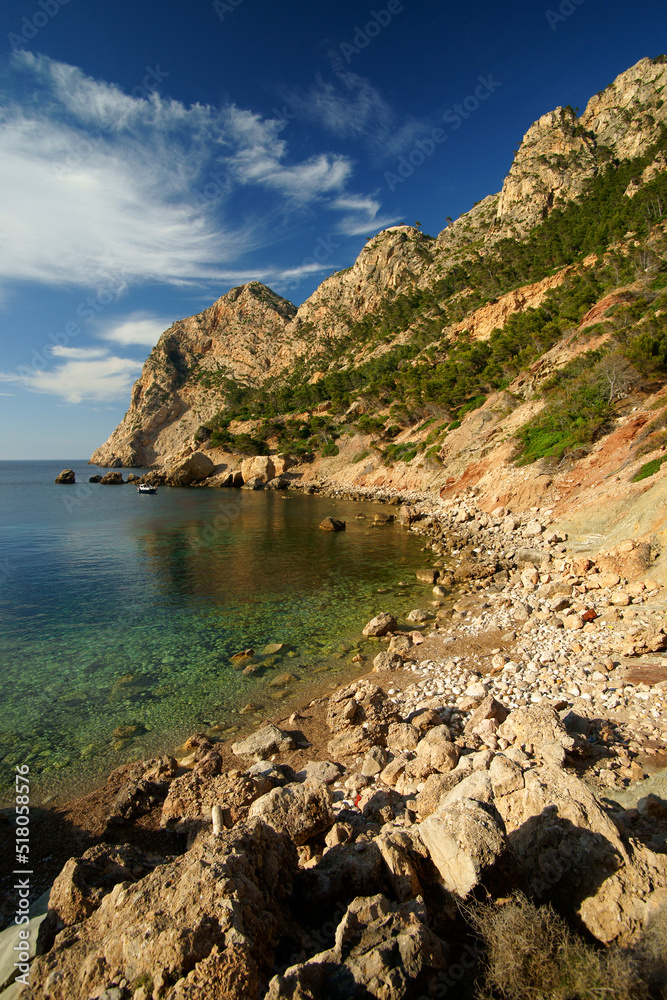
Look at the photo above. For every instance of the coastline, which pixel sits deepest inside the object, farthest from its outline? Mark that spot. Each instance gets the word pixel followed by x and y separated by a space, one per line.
pixel 517 633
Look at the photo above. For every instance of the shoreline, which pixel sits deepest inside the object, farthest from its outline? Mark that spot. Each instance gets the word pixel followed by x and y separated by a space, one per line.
pixel 527 625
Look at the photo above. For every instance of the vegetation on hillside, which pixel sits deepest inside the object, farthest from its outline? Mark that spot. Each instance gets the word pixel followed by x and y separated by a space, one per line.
pixel 430 374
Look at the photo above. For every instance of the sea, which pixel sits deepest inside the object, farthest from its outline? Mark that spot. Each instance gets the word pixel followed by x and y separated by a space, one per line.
pixel 121 614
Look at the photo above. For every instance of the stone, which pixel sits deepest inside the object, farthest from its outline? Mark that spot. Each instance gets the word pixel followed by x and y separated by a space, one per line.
pixel 427 576
pixel 192 469
pixel 400 645
pixel 112 479
pixel 374 762
pixel 262 743
pixel 259 467
pixel 387 661
pixel 361 703
pixel 488 709
pixel 186 922
pixel 319 770
pixel 381 950
pixel 381 625
pixel 300 810
pixel 193 795
pixel 95 479
pixel 533 529
pixel 331 524
pixel 464 842
pixel 402 736
pixel 539 726
pixel 256 483
pixel 84 882
pixel 66 477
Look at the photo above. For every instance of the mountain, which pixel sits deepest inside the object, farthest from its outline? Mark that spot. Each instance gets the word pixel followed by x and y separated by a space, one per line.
pixel 528 331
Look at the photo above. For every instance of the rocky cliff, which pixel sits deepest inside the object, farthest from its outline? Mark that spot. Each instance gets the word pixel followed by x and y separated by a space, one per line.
pixel 415 298
pixel 246 335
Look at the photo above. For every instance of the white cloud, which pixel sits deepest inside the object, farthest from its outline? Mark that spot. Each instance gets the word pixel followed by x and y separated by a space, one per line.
pixel 93 177
pixel 138 328
pixel 85 374
pixel 352 108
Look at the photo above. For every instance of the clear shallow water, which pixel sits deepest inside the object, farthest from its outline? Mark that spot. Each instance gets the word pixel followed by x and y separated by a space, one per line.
pixel 119 612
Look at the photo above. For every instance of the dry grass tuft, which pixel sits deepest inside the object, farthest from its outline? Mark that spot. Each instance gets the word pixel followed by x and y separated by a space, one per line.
pixel 533 955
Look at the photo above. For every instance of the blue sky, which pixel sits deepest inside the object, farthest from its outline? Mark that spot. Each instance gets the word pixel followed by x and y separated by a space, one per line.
pixel 155 154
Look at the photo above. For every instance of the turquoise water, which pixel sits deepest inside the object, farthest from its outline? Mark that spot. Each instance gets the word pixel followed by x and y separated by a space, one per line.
pixel 119 613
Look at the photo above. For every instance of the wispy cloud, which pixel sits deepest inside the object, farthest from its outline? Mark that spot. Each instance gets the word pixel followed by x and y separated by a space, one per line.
pixel 83 374
pixel 92 176
pixel 350 107
pixel 139 328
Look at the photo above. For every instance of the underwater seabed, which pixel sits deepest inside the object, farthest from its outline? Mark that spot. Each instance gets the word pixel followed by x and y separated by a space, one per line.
pixel 98 675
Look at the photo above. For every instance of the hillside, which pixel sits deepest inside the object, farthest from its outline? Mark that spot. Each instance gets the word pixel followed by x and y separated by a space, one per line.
pixel 521 353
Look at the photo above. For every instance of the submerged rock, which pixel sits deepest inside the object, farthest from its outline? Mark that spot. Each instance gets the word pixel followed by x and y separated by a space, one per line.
pixel 331 524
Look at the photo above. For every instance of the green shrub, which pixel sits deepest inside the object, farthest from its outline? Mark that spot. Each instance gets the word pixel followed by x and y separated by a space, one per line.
pixel 648 469
pixel 328 449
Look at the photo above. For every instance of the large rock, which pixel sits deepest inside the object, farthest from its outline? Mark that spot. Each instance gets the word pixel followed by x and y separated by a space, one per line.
pixel 213 916
pixel 84 882
pixel 540 727
pixel 264 742
pixel 361 704
pixel 381 950
pixel 465 840
pixel 260 467
pixel 112 479
pixel 381 625
pixel 299 810
pixel 193 469
pixel 66 477
pixel 331 524
pixel 193 795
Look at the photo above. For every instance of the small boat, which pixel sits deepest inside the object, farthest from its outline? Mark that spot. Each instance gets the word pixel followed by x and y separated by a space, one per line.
pixel 145 488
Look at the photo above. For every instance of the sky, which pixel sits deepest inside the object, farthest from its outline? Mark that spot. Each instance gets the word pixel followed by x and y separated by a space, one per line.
pixel 154 155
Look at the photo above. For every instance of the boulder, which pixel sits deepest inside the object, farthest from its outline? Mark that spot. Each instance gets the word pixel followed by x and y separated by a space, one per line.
pixel 361 703
pixel 299 810
pixel 277 484
pixel 541 727
pixel 84 882
pixel 192 796
pixel 65 477
pixel 427 576
pixel 112 479
pixel 464 841
pixel 95 479
pixel 319 770
pixel 255 483
pixel 490 709
pixel 381 950
pixel 143 792
pixel 260 467
pixel 193 469
pixel 208 923
pixel 262 743
pixel 331 524
pixel 387 661
pixel 382 624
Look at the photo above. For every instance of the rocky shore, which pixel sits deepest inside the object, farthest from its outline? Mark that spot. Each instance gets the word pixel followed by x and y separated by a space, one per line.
pixel 512 739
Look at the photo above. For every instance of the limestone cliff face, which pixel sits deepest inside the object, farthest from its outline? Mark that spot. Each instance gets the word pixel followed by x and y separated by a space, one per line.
pixel 560 152
pixel 388 262
pixel 244 334
pixel 251 334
